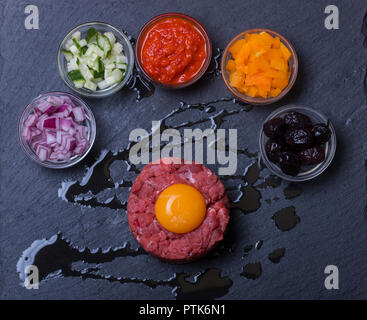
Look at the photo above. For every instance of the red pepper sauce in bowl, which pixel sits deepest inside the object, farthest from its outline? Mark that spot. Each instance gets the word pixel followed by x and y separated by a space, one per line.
pixel 173 51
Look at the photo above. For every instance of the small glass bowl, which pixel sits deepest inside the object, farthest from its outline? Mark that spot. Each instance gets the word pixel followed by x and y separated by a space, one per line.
pixel 90 122
pixel 293 64
pixel 198 26
pixel 307 172
pixel 127 49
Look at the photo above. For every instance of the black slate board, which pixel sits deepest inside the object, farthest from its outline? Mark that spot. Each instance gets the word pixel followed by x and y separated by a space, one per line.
pixel 332 226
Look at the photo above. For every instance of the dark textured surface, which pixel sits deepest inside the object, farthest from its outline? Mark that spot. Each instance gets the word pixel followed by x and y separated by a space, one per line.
pixel 333 224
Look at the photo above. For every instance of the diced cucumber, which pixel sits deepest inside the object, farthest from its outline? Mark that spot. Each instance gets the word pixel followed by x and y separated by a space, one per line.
pixel 93 48
pixel 110 66
pixel 77 44
pixel 107 73
pixel 110 80
pixel 67 54
pixel 74 49
pixel 77 78
pixel 76 35
pixel 111 37
pixel 71 66
pixel 98 75
pixel 83 50
pixel 68 44
pixel 117 48
pixel 100 66
pixel 96 62
pixel 91 33
pixel 91 64
pixel 83 42
pixel 79 83
pixel 103 84
pixel 75 75
pixel 121 59
pixel 121 66
pixel 97 80
pixel 86 72
pixel 90 85
pixel 104 44
pixel 117 75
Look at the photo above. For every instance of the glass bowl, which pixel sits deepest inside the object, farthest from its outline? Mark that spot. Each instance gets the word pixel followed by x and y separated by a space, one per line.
pixel 127 49
pixel 307 172
pixel 197 25
pixel 293 64
pixel 90 122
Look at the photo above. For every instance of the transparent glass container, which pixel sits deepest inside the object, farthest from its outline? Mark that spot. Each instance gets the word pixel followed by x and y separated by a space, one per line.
pixel 90 122
pixel 307 172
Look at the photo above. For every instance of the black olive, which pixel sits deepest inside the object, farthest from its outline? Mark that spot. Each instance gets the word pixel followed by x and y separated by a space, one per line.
pixel 299 139
pixel 273 149
pixel 274 127
pixel 290 163
pixel 321 133
pixel 297 120
pixel 312 156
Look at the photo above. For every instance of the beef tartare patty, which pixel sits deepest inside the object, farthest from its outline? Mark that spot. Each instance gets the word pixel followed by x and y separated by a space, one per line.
pixel 155 239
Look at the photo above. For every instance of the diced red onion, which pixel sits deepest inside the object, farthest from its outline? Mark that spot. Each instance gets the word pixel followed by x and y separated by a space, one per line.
pixel 65 123
pixel 50 137
pixel 79 114
pixel 31 120
pixel 55 129
pixel 51 123
pixel 39 123
pixel 68 101
pixel 27 134
pixel 65 109
pixel 35 132
pixel 56 101
pixel 43 152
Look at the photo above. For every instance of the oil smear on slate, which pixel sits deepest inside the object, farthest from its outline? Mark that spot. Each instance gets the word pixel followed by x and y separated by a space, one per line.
pixel 55 258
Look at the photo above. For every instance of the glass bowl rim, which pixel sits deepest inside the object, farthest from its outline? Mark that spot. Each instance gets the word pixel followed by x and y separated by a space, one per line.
pixel 48 164
pixel 108 91
pixel 201 29
pixel 257 100
pixel 318 169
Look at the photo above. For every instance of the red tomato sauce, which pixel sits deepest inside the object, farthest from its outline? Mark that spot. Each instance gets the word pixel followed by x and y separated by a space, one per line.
pixel 173 51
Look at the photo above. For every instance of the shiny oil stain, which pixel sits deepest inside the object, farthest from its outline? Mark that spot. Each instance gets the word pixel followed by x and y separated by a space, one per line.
pixel 56 257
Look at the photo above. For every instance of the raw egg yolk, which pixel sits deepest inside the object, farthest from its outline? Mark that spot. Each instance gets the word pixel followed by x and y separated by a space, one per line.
pixel 180 208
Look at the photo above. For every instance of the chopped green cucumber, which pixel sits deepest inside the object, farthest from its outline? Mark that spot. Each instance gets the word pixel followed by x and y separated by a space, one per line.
pixel 100 65
pixel 67 54
pixel 90 85
pixel 97 74
pixel 83 50
pixel 121 66
pixel 117 75
pixel 77 78
pixel 91 33
pixel 104 44
pixel 76 42
pixel 76 75
pixel 96 61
